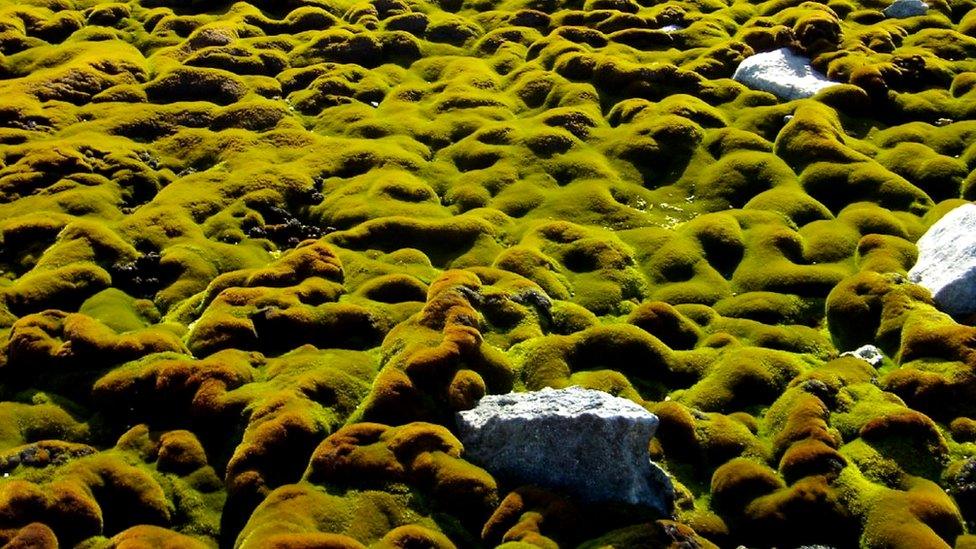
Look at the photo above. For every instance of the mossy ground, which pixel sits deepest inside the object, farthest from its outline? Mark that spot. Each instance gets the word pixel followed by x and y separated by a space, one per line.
pixel 254 256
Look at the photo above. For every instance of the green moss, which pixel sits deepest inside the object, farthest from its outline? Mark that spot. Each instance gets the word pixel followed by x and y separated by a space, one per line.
pixel 156 535
pixel 856 310
pixel 642 358
pixel 939 176
pixel 230 231
pixel 654 534
pixel 119 311
pixel 742 377
pixel 301 514
pixel 738 177
pixel 667 324
pixel 769 517
pixel 741 480
pixel 923 514
pixel 422 455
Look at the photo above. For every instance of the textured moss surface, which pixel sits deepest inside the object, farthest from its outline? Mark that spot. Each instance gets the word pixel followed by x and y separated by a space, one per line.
pixel 255 255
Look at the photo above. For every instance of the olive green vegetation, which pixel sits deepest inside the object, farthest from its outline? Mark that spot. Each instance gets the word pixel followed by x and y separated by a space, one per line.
pixel 255 256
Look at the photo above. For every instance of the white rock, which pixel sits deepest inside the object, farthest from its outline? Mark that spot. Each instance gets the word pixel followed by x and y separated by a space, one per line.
pixel 900 9
pixel 946 263
pixel 868 353
pixel 672 28
pixel 587 443
pixel 782 73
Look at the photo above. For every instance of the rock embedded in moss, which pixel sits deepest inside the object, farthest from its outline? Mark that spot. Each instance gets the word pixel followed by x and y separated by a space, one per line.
pixel 782 73
pixel 900 9
pixel 868 353
pixel 581 441
pixel 946 263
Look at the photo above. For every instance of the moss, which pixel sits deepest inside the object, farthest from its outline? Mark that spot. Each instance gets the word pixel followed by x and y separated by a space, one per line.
pixel 192 84
pixel 840 372
pixel 738 177
pixel 420 454
pixel 768 308
pixel 799 418
pixel 645 361
pixel 318 540
pixel 108 493
pixel 777 263
pixel 881 430
pixel 741 378
pixel 466 389
pixel 412 536
pixel 238 311
pixel 810 457
pixel 394 289
pixel 881 253
pixel 856 305
pixel 923 514
pixel 656 534
pixel 739 481
pixel 35 535
pixel 180 452
pixel 769 516
pixel 703 440
pixel 155 536
pixel 533 516
pixel 230 232
pixel 890 466
pixel 445 340
pixel 939 176
pixel 301 515
pixel 799 207
pixel 59 340
pixel 667 324
pixel 963 429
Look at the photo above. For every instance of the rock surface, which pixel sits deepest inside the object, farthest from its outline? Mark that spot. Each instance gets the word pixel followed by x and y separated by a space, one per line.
pixel 583 441
pixel 868 353
pixel 782 73
pixel 900 9
pixel 946 263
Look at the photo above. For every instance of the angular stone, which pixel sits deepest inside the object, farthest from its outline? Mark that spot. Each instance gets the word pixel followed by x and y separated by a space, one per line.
pixel 868 353
pixel 946 263
pixel 581 441
pixel 899 9
pixel 783 73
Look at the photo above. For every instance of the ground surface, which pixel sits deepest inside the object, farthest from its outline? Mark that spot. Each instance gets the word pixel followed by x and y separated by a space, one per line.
pixel 255 256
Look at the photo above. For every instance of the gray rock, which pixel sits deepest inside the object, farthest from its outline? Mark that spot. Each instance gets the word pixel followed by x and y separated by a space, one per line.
pixel 584 442
pixel 868 353
pixel 900 9
pixel 946 263
pixel 783 73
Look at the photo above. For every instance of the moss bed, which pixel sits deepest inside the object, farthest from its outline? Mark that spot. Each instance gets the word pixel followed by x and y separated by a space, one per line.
pixel 255 255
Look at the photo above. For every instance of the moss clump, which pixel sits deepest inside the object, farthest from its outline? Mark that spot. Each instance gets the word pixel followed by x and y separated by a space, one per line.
pixel 739 481
pixel 921 514
pixel 301 515
pixel 741 378
pixel 196 84
pixel 109 493
pixel 533 516
pixel 419 454
pixel 440 355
